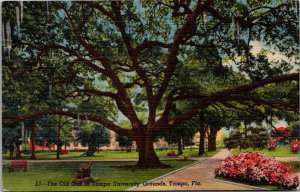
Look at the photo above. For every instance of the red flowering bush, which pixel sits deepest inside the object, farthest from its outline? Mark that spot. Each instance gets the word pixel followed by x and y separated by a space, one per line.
pixel 254 167
pixel 295 146
pixel 272 144
pixel 171 153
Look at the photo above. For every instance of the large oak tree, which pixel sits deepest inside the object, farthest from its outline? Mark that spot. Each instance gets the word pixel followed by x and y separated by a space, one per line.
pixel 127 54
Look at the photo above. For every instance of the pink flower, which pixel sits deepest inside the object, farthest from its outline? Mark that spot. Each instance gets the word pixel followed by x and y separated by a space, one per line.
pixel 272 144
pixel 255 167
pixel 295 146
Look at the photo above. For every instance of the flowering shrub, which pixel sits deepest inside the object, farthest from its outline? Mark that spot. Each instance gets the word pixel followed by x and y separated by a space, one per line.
pixel 171 153
pixel 295 146
pixel 272 144
pixel 254 167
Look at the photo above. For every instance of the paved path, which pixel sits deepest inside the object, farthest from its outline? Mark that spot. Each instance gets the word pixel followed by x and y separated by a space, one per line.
pixel 287 159
pixel 201 173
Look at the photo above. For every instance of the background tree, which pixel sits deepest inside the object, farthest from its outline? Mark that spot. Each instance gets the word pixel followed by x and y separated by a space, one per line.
pixel 67 132
pixel 11 140
pixel 64 133
pixel 93 136
pixel 214 119
pixel 181 135
pixel 46 131
pixel 127 55
pixel 124 142
pixel 294 126
pixel 248 136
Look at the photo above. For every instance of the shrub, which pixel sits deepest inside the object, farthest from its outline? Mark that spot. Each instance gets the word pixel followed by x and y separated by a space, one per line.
pixel 254 137
pixel 294 146
pixel 171 153
pixel 254 167
pixel 184 157
pixel 272 144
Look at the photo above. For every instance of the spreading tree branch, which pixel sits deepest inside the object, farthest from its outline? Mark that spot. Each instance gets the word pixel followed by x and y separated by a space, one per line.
pixel 103 121
pixel 79 92
pixel 233 94
pixel 188 28
pixel 124 103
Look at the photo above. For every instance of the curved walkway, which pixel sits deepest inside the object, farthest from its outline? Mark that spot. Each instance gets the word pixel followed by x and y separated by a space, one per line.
pixel 196 177
pixel 287 159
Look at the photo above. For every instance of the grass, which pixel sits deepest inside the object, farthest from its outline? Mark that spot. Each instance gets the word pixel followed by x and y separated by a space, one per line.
pixel 109 155
pixel 255 184
pixel 295 165
pixel 193 153
pixel 39 175
pixel 282 151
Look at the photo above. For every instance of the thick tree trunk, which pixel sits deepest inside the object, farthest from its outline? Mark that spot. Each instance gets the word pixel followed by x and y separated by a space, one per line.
pixel 212 141
pixel 209 148
pixel 32 139
pixel 179 145
pixel 201 141
pixel 214 144
pixel 147 155
pixel 11 151
pixel 18 152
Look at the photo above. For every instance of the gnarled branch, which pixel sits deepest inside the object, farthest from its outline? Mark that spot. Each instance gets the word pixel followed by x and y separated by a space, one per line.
pixel 234 93
pixel 105 122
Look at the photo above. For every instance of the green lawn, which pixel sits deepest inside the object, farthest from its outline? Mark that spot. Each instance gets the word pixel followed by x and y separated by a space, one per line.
pixel 62 173
pixel 109 155
pixel 282 151
pixel 295 165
